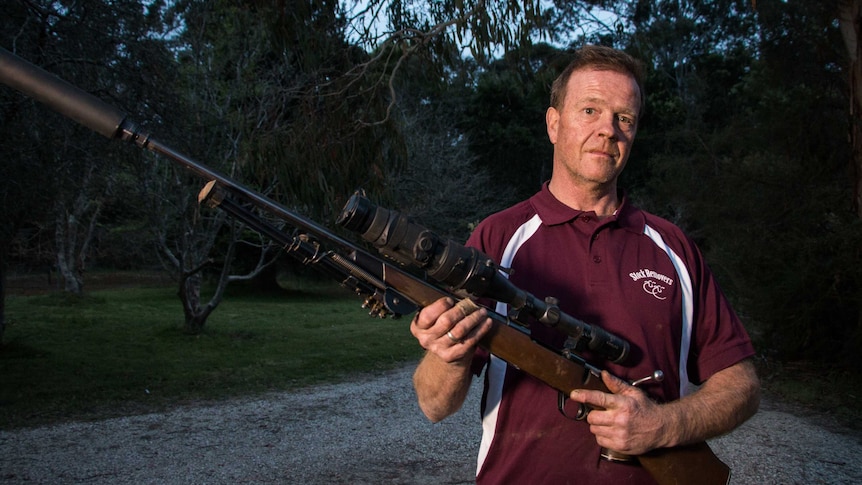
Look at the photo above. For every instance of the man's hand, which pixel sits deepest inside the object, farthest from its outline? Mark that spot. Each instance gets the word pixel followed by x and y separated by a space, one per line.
pixel 450 330
pixel 627 421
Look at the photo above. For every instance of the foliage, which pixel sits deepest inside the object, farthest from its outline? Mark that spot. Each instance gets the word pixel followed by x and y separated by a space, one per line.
pixel 482 28
pixel 295 113
pixel 808 298
pixel 505 119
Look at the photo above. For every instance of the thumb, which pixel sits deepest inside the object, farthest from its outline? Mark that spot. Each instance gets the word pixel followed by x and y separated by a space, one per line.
pixel 614 383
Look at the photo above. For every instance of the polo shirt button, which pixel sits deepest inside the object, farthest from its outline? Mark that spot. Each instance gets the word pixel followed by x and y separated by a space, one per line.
pixel 597 259
pixel 585 218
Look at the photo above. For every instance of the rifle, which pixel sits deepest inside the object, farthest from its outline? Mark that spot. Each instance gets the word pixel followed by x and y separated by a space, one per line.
pixel 397 284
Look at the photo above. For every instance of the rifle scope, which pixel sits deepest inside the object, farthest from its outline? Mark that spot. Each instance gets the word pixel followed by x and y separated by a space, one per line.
pixel 467 269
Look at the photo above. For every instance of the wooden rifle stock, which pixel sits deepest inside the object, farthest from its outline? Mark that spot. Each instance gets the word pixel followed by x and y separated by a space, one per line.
pixel 369 275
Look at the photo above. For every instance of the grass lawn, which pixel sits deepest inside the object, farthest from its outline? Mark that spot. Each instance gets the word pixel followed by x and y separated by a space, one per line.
pixel 122 350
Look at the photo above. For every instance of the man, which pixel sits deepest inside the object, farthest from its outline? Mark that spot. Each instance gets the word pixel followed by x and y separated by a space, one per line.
pixel 612 265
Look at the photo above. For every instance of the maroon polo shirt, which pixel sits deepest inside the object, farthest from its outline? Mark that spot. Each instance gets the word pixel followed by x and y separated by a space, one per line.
pixel 633 274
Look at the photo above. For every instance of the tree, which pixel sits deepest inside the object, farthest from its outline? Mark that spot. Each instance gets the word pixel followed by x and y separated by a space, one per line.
pixel 337 128
pixel 505 119
pixel 440 183
pixel 299 103
pixel 94 46
pixel 25 186
pixel 850 23
pixel 187 236
pixel 51 165
pixel 216 93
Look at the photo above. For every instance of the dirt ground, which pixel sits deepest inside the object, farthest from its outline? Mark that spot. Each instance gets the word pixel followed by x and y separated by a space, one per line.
pixel 365 431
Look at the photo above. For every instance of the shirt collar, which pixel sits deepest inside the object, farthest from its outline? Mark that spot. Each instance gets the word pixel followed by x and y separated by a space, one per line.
pixel 553 212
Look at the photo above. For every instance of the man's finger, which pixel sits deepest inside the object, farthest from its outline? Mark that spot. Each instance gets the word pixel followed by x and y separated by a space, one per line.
pixel 614 383
pixel 595 399
pixel 427 317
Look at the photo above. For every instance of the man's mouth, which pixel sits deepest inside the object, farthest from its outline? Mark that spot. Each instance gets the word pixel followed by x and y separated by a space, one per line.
pixel 603 153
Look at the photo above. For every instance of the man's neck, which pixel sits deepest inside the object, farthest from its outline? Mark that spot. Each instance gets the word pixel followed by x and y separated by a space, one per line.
pixel 603 200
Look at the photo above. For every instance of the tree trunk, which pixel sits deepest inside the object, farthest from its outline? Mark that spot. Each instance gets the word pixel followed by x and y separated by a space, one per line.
pixel 2 296
pixel 850 22
pixel 65 240
pixel 190 296
pixel 73 238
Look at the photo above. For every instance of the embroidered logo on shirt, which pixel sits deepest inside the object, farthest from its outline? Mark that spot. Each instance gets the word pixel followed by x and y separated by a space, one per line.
pixel 654 283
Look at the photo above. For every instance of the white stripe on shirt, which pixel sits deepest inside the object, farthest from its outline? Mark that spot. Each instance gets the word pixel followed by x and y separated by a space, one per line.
pixel 496 372
pixel 687 306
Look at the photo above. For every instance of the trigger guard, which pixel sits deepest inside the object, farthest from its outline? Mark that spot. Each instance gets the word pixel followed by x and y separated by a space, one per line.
pixel 561 406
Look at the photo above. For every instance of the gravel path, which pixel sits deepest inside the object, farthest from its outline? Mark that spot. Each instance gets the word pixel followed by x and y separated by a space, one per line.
pixel 364 431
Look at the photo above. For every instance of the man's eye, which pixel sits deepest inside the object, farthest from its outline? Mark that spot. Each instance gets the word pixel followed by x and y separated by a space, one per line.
pixel 626 120
pixel 589 111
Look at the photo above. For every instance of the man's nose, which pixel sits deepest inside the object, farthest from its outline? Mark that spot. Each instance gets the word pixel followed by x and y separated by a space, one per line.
pixel 608 127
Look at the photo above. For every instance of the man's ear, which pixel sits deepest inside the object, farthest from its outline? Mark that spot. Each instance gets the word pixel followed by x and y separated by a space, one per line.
pixel 552 122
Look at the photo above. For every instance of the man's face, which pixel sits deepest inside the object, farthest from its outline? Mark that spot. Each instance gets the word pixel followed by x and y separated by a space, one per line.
pixel 594 130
